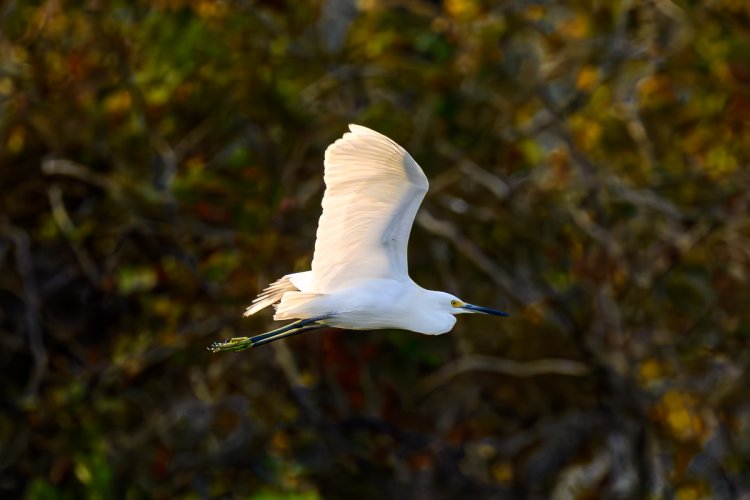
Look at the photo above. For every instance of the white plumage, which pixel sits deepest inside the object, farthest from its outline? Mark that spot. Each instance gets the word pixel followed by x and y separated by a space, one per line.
pixel 359 277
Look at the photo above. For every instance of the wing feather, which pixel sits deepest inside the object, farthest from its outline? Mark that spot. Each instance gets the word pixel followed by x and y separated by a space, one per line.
pixel 373 191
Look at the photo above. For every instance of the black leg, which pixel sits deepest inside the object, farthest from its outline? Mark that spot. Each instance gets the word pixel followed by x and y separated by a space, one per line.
pixel 237 344
pixel 267 340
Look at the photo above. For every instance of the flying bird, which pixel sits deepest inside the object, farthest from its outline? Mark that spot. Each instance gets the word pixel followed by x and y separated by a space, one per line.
pixel 359 278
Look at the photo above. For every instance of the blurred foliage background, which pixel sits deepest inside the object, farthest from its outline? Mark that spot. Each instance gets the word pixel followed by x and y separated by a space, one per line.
pixel 161 162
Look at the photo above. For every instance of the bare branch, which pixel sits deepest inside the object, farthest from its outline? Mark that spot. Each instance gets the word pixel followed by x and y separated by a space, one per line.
pixel 55 166
pixel 478 362
pixel 32 303
pixel 64 222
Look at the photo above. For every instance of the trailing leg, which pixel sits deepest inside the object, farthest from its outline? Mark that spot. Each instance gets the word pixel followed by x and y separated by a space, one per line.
pixel 237 344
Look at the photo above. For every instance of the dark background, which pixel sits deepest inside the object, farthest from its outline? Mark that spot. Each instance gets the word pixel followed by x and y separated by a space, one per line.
pixel 161 162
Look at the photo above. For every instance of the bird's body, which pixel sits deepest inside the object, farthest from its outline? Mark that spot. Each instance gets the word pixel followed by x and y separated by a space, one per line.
pixel 372 304
pixel 359 278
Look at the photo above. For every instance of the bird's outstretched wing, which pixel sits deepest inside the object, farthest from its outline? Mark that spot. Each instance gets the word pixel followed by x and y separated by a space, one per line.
pixel 373 191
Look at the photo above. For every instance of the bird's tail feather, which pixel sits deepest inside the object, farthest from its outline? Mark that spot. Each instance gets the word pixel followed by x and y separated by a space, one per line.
pixel 271 295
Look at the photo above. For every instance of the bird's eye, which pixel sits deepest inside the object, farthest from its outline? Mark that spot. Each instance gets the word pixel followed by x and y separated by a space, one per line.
pixel 454 303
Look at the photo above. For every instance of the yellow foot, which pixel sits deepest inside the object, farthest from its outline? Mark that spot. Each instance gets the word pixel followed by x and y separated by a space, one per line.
pixel 232 345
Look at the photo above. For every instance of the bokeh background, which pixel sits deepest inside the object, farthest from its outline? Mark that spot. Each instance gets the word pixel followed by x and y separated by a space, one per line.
pixel 161 162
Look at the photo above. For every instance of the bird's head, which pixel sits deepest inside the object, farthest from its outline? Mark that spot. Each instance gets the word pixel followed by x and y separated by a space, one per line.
pixel 454 305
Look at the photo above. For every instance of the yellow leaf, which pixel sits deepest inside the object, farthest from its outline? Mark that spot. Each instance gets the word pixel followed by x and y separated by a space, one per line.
pixel 16 140
pixel 211 8
pixel 587 78
pixel 650 370
pixel 534 12
pixel 576 28
pixel 117 102
pixel 503 472
pixel 6 86
pixel 83 473
pixel 687 493
pixel 679 413
pixel 720 163
pixel 462 8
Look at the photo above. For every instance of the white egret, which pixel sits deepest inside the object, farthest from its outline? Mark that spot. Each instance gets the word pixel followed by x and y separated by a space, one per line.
pixel 359 278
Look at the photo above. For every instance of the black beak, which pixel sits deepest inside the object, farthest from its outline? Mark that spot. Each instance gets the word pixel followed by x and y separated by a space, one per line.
pixel 485 310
